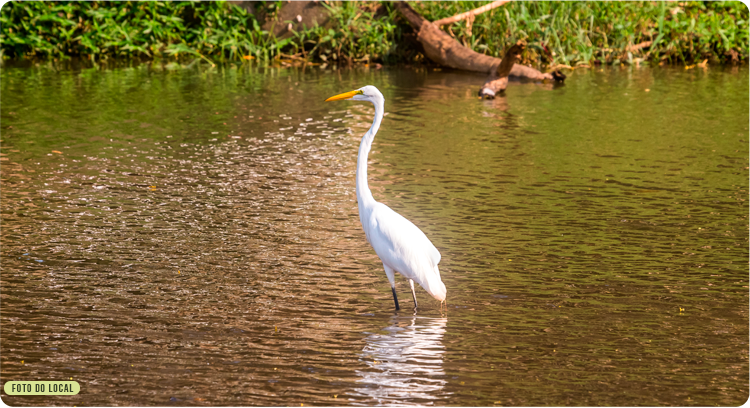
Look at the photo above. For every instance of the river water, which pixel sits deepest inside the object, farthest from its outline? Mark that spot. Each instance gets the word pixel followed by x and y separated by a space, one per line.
pixel 190 236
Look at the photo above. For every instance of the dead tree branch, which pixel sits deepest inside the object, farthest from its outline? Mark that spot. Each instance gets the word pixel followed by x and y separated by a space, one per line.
pixel 472 13
pixel 639 46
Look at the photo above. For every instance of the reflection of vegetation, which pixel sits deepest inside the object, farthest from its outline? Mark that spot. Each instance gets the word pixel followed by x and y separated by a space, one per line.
pixel 557 32
pixel 129 105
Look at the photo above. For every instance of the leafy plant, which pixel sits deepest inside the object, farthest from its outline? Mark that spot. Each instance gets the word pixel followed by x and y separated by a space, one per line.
pixel 604 32
pixel 556 32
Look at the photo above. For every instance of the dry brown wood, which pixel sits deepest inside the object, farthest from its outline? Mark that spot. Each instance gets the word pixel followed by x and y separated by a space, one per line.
pixel 639 46
pixel 442 49
pixel 472 13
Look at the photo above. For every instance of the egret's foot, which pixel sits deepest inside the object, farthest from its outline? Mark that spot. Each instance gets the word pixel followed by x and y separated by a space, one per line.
pixel 395 298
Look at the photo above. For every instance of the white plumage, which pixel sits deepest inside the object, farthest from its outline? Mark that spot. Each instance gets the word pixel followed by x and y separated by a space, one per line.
pixel 404 248
pixel 401 246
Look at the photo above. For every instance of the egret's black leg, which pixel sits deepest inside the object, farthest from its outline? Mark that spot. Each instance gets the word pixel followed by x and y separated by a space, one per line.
pixel 414 294
pixel 395 298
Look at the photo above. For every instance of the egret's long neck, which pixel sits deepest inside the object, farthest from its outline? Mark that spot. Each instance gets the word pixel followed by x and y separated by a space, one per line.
pixel 364 196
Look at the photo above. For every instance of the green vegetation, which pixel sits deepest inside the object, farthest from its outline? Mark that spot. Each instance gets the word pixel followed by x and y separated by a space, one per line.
pixel 568 32
pixel 215 31
pixel 99 30
pixel 356 34
pixel 556 32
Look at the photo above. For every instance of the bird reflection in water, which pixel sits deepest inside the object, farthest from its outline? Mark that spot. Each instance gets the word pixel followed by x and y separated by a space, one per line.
pixel 405 364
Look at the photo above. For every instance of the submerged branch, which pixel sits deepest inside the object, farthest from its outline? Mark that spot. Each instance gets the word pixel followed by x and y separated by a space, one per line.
pixel 498 80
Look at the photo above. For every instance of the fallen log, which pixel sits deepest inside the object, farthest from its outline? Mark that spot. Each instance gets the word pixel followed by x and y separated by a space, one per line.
pixel 442 49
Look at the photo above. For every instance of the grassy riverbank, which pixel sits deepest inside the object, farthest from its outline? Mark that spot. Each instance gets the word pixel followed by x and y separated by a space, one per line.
pixel 566 33
pixel 588 32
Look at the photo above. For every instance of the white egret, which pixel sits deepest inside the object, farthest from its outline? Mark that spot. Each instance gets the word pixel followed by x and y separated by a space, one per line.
pixel 401 246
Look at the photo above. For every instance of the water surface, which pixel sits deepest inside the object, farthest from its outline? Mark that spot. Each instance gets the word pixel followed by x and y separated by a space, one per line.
pixel 191 237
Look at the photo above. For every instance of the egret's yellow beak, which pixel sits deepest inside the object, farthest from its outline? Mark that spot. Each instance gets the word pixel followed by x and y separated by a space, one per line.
pixel 344 96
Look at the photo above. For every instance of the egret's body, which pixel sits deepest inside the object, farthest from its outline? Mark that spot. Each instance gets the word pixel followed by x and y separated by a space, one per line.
pixel 401 246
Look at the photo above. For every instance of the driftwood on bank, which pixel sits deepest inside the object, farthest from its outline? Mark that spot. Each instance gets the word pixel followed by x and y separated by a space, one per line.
pixel 443 49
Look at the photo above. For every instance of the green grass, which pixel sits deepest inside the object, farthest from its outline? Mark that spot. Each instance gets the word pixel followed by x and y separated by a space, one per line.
pixel 556 32
pixel 354 35
pixel 601 32
pixel 101 30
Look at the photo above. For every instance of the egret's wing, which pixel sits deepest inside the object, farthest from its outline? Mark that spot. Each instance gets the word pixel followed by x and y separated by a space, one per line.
pixel 397 239
pixel 404 247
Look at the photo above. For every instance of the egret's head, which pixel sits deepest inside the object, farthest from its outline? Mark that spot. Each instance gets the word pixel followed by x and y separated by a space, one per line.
pixel 366 93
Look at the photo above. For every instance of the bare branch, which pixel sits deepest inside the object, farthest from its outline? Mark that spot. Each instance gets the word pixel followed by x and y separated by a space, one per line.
pixel 640 46
pixel 462 16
